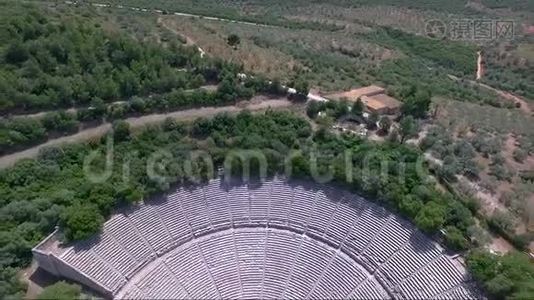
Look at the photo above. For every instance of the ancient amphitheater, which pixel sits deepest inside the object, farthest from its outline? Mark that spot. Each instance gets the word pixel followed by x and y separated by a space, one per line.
pixel 270 240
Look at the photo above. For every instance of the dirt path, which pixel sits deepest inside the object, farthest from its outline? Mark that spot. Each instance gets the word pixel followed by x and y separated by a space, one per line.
pixel 184 115
pixel 480 67
pixel 525 106
pixel 188 40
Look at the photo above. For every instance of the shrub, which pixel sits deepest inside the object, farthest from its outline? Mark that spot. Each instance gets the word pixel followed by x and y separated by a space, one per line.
pixel 121 130
pixel 60 291
pixel 503 277
pixel 430 217
pixel 455 239
pixel 81 221
pixel 520 155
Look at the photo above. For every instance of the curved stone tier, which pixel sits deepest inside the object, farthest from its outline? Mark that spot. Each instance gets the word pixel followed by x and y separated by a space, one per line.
pixel 269 240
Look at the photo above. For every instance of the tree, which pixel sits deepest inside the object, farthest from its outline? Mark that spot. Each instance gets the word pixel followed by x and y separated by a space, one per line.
pixel 341 108
pixel 275 88
pixel 503 220
pixel 410 205
pixel 500 286
pixel 98 108
pixel 464 149
pixel 130 194
pixel 408 128
pixel 11 287
pixel 233 40
pixel 482 264
pixel 520 155
pixel 459 215
pixel 60 291
pixel 197 81
pixel 416 102
pixel 116 111
pixel 121 130
pixel 227 90
pixel 16 53
pixel 504 277
pixel 372 120
pixel 61 121
pixel 455 239
pixel 302 88
pixel 430 217
pixel 81 221
pixel 357 107
pixel 24 130
pixel 384 124
pixel 313 108
pixel 138 104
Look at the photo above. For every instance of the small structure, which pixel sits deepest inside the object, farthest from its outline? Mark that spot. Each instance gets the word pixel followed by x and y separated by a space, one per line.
pixel 373 97
pixel 382 104
pixel 354 94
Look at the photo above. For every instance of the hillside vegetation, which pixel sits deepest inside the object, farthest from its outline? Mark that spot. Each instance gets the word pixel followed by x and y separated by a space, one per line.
pixel 109 66
pixel 35 195
pixel 53 61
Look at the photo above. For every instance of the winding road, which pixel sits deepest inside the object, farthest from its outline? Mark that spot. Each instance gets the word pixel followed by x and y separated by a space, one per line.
pixel 87 134
pixel 138 122
pixel 525 106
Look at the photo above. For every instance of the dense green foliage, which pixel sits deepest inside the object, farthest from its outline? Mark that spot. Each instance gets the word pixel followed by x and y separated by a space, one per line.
pixel 18 133
pixel 49 61
pixel 508 277
pixel 10 284
pixel 21 132
pixel 416 102
pixel 407 128
pixel 455 240
pixel 81 221
pixel 87 67
pixel 60 291
pixel 37 194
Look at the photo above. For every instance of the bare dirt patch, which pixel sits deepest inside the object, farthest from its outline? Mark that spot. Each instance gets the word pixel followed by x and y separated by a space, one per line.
pixel 489 200
pixel 500 245
pixel 36 280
